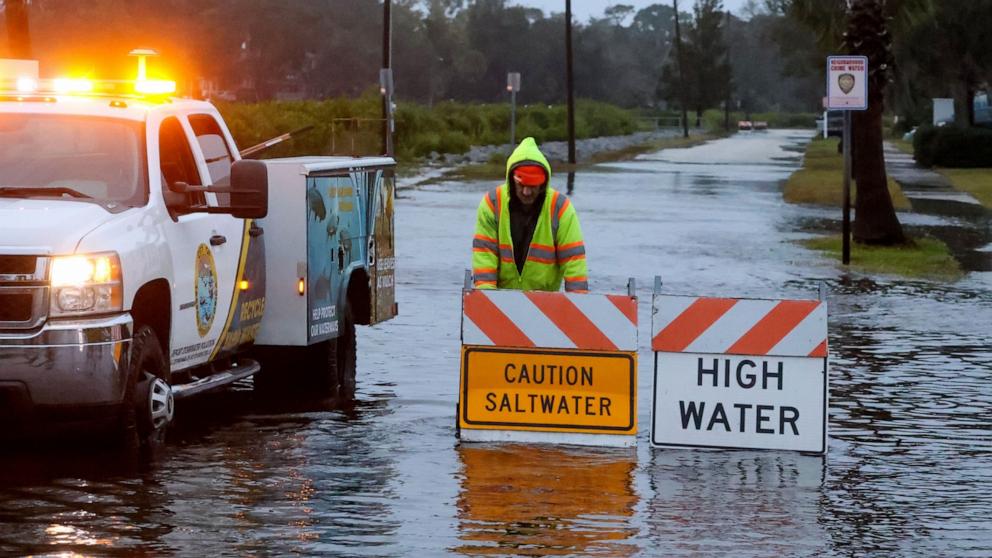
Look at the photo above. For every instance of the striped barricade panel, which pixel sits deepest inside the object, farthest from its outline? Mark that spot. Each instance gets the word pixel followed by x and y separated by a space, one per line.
pixel 688 324
pixel 740 373
pixel 549 320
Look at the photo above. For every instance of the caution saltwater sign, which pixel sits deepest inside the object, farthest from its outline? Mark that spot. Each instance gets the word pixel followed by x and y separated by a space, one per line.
pixel 543 389
pixel 548 367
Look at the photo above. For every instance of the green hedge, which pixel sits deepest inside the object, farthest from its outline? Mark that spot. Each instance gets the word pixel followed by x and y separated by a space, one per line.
pixel 953 147
pixel 445 128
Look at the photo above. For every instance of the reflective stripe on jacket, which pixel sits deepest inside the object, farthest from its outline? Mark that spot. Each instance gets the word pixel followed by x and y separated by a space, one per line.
pixel 556 251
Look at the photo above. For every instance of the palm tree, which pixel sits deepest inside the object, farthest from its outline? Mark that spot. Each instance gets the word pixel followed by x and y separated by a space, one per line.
pixel 862 27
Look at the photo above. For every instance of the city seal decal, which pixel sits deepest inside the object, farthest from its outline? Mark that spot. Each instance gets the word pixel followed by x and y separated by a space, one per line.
pixel 846 83
pixel 205 290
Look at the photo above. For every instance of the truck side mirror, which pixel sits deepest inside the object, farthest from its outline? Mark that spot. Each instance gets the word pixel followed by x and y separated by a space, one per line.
pixel 249 189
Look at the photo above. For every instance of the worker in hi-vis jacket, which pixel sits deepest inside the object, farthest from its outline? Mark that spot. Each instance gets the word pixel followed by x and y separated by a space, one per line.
pixel 527 235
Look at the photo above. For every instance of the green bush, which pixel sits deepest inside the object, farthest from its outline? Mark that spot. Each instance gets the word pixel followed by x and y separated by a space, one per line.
pixel 447 127
pixel 923 141
pixel 953 147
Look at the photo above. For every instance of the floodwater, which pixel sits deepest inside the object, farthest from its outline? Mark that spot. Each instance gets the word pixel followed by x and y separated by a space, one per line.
pixel 910 447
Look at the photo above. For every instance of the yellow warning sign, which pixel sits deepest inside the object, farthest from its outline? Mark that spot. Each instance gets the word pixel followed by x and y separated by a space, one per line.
pixel 544 389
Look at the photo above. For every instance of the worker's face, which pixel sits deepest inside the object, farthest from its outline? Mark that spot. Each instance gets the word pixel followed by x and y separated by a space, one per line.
pixel 526 194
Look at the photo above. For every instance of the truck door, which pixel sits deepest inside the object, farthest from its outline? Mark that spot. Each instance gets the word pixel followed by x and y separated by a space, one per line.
pixel 205 251
pixel 381 250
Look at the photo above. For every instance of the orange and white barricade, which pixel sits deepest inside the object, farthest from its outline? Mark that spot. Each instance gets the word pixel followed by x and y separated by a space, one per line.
pixel 548 367
pixel 739 373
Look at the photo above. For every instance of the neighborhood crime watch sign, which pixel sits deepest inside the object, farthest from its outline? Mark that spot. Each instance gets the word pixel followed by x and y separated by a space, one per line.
pixel 740 373
pixel 847 83
pixel 548 367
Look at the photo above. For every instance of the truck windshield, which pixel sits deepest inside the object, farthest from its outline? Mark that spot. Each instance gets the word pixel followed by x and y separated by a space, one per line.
pixel 70 157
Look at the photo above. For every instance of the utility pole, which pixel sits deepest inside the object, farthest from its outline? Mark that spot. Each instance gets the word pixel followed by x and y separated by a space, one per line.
pixel 678 53
pixel 569 82
pixel 513 85
pixel 385 80
pixel 726 100
pixel 18 35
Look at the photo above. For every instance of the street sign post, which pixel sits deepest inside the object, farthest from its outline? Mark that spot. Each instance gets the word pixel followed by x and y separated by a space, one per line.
pixel 548 367
pixel 847 90
pixel 739 373
pixel 513 85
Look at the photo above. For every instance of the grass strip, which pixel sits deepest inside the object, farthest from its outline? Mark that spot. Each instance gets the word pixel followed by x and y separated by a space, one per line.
pixel 977 182
pixel 820 181
pixel 920 258
pixel 902 145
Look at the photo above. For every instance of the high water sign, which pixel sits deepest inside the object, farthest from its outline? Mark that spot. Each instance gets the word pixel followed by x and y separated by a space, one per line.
pixel 548 367
pixel 740 373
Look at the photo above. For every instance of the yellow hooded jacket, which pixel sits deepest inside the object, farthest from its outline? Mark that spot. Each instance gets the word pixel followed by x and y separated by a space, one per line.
pixel 556 251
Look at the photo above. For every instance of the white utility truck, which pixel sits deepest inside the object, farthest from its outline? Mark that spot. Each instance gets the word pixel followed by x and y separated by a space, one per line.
pixel 142 260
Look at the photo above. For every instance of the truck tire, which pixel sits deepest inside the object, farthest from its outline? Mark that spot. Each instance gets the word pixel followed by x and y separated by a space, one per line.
pixel 148 405
pixel 346 352
pixel 321 367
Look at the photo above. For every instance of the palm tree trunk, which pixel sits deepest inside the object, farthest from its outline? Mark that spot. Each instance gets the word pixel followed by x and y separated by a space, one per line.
pixel 875 219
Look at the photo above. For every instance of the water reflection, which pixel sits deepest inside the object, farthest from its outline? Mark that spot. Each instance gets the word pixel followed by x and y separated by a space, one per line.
pixel 539 501
pixel 735 503
pixel 286 476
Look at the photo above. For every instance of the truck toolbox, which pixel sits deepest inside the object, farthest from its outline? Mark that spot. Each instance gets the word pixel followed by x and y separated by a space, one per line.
pixel 328 232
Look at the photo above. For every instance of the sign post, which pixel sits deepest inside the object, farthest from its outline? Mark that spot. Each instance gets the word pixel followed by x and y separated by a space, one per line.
pixel 513 85
pixel 739 373
pixel 548 367
pixel 847 90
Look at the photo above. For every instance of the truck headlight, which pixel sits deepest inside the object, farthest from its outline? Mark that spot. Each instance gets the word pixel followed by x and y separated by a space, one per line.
pixel 89 284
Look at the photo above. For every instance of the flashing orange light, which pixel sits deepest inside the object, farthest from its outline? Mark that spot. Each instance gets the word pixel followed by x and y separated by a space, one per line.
pixel 72 85
pixel 26 85
pixel 301 287
pixel 243 285
pixel 154 86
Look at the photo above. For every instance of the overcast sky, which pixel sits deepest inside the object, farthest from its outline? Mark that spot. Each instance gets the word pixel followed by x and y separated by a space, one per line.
pixel 582 10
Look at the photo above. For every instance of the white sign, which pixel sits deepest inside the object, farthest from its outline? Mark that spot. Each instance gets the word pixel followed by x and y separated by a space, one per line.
pixel 847 82
pixel 739 373
pixel 943 111
pixel 513 82
pixel 731 401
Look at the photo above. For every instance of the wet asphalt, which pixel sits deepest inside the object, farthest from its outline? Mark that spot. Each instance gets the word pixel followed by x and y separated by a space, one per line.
pixel 910 447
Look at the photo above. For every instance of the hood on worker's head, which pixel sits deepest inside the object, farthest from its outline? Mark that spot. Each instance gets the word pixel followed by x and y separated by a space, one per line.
pixel 527 153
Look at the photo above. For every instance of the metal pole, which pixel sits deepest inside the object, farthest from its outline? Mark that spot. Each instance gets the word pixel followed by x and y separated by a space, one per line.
pixel 513 118
pixel 678 53
pixel 387 24
pixel 846 230
pixel 726 101
pixel 569 82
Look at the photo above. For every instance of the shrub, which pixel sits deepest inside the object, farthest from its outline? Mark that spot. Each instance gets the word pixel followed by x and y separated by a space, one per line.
pixel 447 127
pixel 923 141
pixel 953 147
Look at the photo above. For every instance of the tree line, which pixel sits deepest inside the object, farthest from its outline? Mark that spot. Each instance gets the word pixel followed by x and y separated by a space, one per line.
pixel 442 49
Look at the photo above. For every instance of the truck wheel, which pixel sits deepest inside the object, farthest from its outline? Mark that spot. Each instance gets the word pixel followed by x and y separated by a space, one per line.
pixel 345 349
pixel 148 405
pixel 321 366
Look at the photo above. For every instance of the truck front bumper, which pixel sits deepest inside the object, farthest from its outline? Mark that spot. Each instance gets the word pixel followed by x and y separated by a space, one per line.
pixel 67 370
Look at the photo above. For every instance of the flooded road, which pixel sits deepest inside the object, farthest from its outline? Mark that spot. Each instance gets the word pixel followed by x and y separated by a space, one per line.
pixel 910 451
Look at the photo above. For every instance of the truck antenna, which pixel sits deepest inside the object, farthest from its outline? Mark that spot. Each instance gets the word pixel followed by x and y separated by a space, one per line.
pixel 250 151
